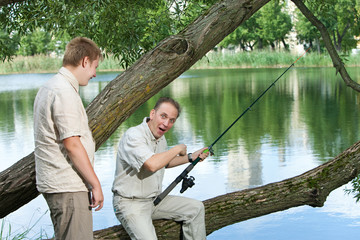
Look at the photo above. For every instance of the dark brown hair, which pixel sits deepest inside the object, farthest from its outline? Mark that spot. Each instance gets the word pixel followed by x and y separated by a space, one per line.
pixel 168 100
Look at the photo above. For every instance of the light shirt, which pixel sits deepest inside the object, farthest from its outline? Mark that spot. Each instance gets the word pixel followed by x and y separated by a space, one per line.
pixel 59 114
pixel 132 180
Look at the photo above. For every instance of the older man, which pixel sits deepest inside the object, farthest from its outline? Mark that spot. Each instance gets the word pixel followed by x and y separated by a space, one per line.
pixel 141 160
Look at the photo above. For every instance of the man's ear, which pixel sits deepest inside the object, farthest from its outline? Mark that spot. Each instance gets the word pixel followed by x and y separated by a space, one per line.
pixel 85 61
pixel 152 114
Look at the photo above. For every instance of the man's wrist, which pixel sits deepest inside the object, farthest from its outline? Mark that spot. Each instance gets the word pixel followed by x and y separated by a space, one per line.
pixel 190 157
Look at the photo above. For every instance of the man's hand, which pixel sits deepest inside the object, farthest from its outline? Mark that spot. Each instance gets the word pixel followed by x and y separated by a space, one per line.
pixel 183 149
pixel 200 153
pixel 97 199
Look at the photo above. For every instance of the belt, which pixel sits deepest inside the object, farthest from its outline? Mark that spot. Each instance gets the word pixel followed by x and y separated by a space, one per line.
pixel 136 198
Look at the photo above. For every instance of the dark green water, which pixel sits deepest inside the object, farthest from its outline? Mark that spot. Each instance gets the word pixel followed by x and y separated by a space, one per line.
pixel 307 118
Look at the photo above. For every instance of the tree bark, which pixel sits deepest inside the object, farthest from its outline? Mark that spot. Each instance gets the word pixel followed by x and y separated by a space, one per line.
pixel 337 62
pixel 340 36
pixel 310 188
pixel 156 69
pixel 123 95
pixel 17 185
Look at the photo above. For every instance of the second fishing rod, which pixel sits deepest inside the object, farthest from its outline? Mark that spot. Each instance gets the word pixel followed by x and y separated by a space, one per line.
pixel 189 181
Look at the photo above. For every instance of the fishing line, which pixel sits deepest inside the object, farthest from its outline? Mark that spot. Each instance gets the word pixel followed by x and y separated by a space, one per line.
pixel 189 181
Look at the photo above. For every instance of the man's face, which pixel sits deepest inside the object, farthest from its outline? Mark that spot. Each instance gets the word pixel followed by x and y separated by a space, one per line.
pixel 162 119
pixel 89 70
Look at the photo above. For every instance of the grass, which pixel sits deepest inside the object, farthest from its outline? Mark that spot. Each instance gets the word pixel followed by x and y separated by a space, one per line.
pixel 254 59
pixel 38 63
pixel 263 59
pixel 9 235
pixel 47 64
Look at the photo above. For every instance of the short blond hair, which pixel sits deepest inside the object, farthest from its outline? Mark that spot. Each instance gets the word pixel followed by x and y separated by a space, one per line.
pixel 78 48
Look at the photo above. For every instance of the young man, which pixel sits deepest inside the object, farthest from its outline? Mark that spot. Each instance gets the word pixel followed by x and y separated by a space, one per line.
pixel 64 146
pixel 141 161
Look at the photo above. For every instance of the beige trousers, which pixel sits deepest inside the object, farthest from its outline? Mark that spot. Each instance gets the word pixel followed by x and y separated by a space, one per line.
pixel 71 215
pixel 136 216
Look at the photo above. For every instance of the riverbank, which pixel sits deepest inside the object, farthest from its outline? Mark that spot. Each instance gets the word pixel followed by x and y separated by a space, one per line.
pixel 47 64
pixel 306 119
pixel 254 59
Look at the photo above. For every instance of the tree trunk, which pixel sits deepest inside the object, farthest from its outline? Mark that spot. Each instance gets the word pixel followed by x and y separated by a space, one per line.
pixel 340 36
pixel 17 185
pixel 156 69
pixel 310 188
pixel 286 46
pixel 260 44
pixel 123 95
pixel 272 46
pixel 318 47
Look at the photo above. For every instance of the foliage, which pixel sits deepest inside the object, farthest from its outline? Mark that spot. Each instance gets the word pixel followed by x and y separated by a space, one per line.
pixel 124 28
pixel 341 19
pixel 41 42
pixel 229 59
pixel 275 24
pixel 266 27
pixel 8 45
pixel 109 23
pixel 46 64
pixel 307 33
pixel 185 11
pixel 245 35
pixel 355 188
pixel 34 64
pixel 264 58
pixel 41 27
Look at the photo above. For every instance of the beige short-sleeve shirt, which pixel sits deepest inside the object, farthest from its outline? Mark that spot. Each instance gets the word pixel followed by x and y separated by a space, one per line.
pixel 59 114
pixel 132 180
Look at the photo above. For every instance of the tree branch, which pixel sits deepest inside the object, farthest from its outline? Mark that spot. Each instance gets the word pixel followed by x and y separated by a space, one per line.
pixel 123 95
pixel 173 56
pixel 310 188
pixel 337 62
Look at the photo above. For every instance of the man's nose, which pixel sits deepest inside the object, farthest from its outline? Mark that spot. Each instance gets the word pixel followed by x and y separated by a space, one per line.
pixel 166 122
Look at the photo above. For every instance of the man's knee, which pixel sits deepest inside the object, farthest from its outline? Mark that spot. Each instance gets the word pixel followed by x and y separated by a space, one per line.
pixel 197 210
pixel 199 206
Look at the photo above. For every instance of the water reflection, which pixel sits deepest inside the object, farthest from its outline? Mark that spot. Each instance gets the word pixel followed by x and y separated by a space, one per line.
pixel 306 119
pixel 243 169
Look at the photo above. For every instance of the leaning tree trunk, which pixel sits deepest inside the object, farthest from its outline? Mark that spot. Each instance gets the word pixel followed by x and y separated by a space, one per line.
pixel 122 96
pixel 145 78
pixel 310 188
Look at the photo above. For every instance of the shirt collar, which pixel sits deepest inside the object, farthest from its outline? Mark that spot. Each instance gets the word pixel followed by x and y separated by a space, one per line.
pixel 148 132
pixel 70 77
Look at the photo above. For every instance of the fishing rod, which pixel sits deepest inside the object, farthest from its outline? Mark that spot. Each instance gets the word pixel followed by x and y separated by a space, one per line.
pixel 189 181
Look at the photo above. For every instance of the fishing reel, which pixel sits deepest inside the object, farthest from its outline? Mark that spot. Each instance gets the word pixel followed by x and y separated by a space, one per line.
pixel 188 182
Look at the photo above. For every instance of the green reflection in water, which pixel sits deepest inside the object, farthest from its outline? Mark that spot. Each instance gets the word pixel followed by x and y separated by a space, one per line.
pixel 309 113
pixel 312 99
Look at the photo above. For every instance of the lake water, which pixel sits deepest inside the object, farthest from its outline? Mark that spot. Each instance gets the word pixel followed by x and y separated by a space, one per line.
pixel 306 119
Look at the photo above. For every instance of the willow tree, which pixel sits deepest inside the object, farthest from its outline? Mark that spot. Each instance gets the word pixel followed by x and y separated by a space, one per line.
pixel 341 20
pixel 148 75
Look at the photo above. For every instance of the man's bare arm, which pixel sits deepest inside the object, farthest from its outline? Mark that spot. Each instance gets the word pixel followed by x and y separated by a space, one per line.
pixel 80 159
